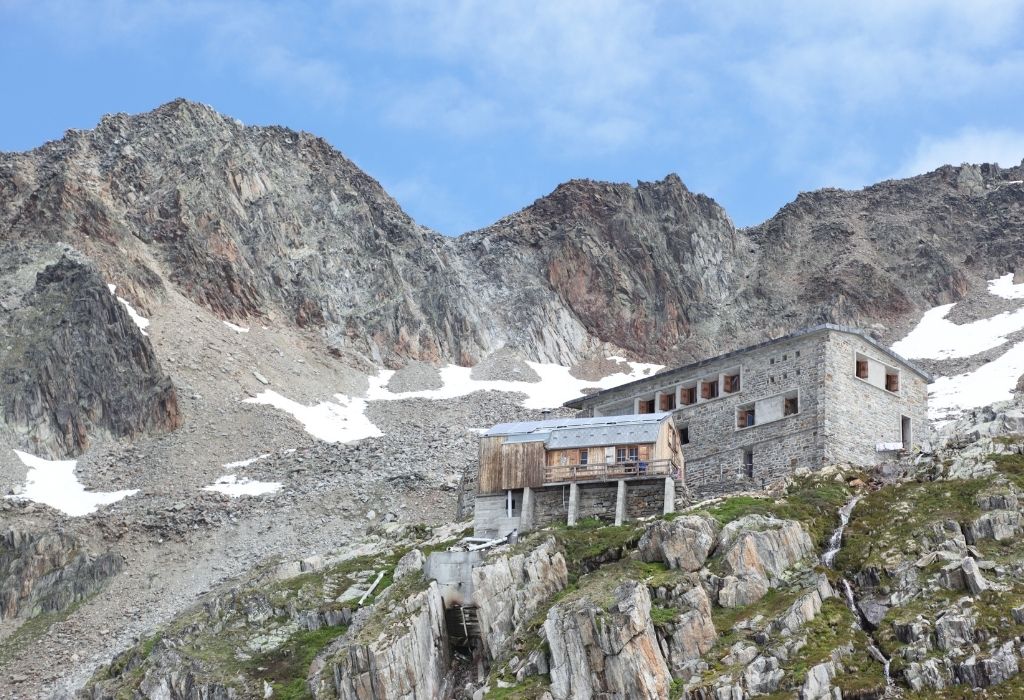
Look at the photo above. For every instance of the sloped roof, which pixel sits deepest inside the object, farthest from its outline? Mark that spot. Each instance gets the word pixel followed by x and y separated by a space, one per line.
pixel 564 433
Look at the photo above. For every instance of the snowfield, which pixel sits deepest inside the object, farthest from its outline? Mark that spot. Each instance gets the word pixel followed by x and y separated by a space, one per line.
pixel 937 338
pixel 53 483
pixel 344 419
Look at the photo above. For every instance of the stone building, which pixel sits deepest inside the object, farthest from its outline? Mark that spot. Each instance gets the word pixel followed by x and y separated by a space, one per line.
pixel 823 395
pixel 612 467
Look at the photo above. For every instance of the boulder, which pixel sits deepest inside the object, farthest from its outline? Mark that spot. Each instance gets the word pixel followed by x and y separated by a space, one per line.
pixel 927 674
pixel 682 543
pixel 757 545
pixel 597 652
pixel 998 525
pixel 763 675
pixel 818 683
pixel 982 673
pixel 954 630
pixel 412 561
pixel 740 592
pixel 872 611
pixel 998 501
pixel 804 609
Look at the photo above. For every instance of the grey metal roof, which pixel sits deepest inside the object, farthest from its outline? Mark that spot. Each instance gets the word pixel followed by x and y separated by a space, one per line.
pixel 662 378
pixel 596 436
pixel 546 426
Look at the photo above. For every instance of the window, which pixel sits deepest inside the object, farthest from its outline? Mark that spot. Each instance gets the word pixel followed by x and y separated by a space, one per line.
pixel 748 462
pixel 584 456
pixel 798 353
pixel 668 402
pixel 905 436
pixel 771 361
pixel 634 453
pixel 709 389
pixel 688 395
pixel 785 357
pixel 862 368
pixel 791 404
pixel 731 383
pixel 684 435
pixel 620 454
pixel 745 416
pixel 646 406
pixel 892 380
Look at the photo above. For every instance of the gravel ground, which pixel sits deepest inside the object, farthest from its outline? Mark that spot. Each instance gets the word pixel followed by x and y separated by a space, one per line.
pixel 180 541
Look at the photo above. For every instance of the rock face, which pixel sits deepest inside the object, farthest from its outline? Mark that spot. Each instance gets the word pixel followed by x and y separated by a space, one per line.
pixel 682 543
pixel 48 572
pixel 402 655
pixel 606 653
pixel 510 589
pixel 75 365
pixel 755 550
pixel 257 221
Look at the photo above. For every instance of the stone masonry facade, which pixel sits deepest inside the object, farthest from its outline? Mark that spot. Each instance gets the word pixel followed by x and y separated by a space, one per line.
pixel 836 417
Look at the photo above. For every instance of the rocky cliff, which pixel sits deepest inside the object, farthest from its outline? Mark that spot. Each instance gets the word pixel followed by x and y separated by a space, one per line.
pixel 265 222
pixel 74 364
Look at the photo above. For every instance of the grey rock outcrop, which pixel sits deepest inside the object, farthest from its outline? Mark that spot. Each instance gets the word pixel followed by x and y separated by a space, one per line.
pixel 690 636
pixel 49 571
pixel 606 653
pixel 755 550
pixel 74 366
pixel 509 590
pixel 977 672
pixel 683 543
pixel 400 652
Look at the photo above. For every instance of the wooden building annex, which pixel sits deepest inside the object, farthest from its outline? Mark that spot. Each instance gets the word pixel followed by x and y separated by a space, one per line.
pixel 614 468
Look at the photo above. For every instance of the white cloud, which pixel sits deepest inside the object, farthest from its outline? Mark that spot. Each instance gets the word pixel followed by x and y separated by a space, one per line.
pixel 969 145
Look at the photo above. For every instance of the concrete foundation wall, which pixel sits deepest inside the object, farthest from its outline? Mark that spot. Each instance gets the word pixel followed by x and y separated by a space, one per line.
pixel 453 573
pixel 490 515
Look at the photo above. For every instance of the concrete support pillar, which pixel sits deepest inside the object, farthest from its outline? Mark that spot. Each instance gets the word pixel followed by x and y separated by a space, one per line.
pixel 526 513
pixel 670 495
pixel 620 503
pixel 574 504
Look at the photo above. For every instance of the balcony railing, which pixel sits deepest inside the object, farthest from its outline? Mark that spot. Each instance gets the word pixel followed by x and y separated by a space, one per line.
pixel 634 469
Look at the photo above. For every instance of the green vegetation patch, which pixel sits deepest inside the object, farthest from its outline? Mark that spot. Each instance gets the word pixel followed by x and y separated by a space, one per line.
pixel 530 689
pixel 813 501
pixel 589 541
pixel 286 667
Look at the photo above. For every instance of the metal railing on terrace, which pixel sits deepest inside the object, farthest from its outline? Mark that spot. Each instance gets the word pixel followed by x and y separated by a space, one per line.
pixel 613 471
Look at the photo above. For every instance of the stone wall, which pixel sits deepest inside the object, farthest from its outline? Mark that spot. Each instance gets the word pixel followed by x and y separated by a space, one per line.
pixel 858 414
pixel 644 499
pixel 490 515
pixel 598 500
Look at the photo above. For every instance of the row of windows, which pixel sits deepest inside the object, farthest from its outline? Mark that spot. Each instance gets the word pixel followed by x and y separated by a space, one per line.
pixel 874 372
pixel 693 392
pixel 623 453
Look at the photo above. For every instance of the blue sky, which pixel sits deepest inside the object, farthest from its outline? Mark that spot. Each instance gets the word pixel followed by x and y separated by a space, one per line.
pixel 468 111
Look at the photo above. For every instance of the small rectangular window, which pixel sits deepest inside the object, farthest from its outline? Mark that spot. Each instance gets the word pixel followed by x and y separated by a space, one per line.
pixel 688 395
pixel 584 456
pixel 892 381
pixel 634 453
pixel 620 454
pixel 748 462
pixel 646 405
pixel 771 361
pixel 668 402
pixel 732 383
pixel 785 357
pixel 684 435
pixel 791 406
pixel 798 353
pixel 745 416
pixel 862 368
pixel 709 389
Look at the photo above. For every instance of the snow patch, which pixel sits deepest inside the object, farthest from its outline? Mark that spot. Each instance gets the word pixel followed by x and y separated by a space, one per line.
pixel 342 420
pixel 236 486
pixel 1005 288
pixel 236 329
pixel 937 338
pixel 53 483
pixel 140 321
pixel 245 462
pixel 556 385
pixel 993 381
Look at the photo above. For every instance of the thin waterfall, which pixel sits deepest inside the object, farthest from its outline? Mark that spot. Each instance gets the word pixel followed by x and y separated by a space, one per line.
pixel 835 543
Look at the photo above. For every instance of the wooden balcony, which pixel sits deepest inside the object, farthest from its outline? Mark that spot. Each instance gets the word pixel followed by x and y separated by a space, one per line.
pixel 637 469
